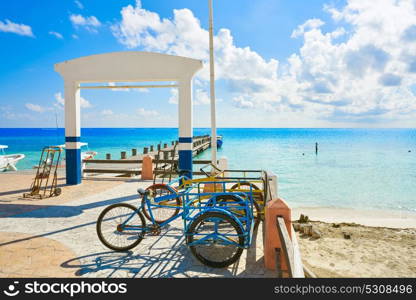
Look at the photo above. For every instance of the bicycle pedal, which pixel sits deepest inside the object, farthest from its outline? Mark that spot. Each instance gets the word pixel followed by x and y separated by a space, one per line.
pixel 155 230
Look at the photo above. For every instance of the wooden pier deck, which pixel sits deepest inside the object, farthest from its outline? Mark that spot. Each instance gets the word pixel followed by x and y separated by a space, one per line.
pixel 131 165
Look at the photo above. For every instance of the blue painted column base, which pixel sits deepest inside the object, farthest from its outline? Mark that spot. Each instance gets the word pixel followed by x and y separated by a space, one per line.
pixel 73 166
pixel 185 163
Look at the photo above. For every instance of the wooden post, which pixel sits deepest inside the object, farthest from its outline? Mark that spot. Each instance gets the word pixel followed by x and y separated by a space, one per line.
pixel 145 150
pixel 165 145
pixel 147 168
pixel 158 147
pixel 151 148
pixel 133 152
pixel 165 155
pixel 157 157
pixel 108 156
pixel 123 154
pixel 173 143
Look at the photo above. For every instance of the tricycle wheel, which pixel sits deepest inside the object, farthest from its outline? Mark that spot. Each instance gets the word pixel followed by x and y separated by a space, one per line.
pixel 215 239
pixel 231 203
pixel 162 214
pixel 112 232
pixel 257 197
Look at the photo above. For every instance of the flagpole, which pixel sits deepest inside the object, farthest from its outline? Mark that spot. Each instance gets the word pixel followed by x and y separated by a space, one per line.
pixel 212 88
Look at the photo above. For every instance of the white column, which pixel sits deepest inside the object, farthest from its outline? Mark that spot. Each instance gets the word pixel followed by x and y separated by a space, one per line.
pixel 72 109
pixel 185 126
pixel 72 132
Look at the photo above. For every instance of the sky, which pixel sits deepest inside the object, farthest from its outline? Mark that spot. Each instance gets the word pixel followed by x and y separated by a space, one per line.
pixel 321 63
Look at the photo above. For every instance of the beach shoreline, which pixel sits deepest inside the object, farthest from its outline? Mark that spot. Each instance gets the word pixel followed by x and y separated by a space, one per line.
pixel 370 217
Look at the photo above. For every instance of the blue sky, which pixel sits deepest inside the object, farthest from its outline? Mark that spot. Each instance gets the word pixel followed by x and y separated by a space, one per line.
pixel 280 63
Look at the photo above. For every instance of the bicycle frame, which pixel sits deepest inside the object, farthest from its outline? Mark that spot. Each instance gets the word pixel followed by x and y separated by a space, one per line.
pixel 149 205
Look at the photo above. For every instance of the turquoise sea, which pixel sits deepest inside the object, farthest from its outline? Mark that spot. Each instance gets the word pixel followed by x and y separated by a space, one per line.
pixel 364 168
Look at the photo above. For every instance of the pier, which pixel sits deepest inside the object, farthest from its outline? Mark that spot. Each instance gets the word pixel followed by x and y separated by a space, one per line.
pixel 130 163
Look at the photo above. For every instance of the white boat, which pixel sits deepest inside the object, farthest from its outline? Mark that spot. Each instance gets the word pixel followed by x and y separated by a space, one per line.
pixel 8 162
pixel 84 154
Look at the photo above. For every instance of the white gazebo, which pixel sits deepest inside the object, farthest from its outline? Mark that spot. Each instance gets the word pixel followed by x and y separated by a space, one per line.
pixel 126 67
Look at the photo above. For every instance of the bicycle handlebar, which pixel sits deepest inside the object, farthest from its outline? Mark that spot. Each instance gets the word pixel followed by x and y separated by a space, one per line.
pixel 212 166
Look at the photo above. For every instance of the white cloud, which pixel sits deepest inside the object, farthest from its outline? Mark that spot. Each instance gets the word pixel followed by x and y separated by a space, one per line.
pixel 20 29
pixel 117 89
pixel 201 97
pixel 367 75
pixel 59 99
pixel 89 23
pixel 35 107
pixel 147 113
pixel 74 36
pixel 79 4
pixel 107 112
pixel 56 34
pixel 173 99
pixel 60 102
pixel 307 26
pixel 85 103
pixel 242 102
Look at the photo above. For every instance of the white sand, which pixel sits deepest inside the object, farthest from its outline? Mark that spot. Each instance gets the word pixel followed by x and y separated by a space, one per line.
pixel 377 218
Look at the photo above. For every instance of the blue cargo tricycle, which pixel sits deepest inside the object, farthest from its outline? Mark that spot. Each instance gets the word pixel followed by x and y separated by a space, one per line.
pixel 218 223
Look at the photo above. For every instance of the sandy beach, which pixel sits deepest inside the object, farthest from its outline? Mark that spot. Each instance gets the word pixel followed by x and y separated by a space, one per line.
pixel 381 242
pixel 376 218
pixel 370 251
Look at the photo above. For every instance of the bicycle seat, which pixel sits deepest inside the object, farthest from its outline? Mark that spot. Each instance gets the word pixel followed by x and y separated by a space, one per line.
pixel 142 192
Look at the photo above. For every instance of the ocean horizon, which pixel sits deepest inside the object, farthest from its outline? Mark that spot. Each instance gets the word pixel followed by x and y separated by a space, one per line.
pixel 363 168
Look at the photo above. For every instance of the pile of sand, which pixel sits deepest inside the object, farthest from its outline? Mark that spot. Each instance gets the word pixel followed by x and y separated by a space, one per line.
pixel 370 251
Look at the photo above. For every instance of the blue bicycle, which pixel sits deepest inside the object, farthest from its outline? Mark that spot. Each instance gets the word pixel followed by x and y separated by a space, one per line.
pixel 217 225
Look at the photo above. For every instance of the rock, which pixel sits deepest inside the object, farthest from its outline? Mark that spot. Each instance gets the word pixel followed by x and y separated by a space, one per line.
pixel 336 225
pixel 307 230
pixel 303 219
pixel 296 226
pixel 347 236
pixel 316 234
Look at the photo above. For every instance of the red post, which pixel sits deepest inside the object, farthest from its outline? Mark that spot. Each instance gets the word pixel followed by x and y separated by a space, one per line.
pixel 147 168
pixel 274 208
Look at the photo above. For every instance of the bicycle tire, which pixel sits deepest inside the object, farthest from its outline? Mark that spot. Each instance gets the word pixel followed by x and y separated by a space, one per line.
pixel 257 197
pixel 168 211
pixel 201 221
pixel 105 241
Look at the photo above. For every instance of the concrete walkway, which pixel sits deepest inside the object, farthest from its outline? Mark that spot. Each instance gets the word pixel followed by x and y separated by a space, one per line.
pixel 70 227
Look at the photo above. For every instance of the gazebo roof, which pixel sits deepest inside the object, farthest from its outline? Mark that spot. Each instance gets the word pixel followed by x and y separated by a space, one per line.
pixel 128 66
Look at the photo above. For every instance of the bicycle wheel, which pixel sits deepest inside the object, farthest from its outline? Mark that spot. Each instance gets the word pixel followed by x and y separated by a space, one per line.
pixel 258 202
pixel 110 230
pixel 162 214
pixel 215 239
